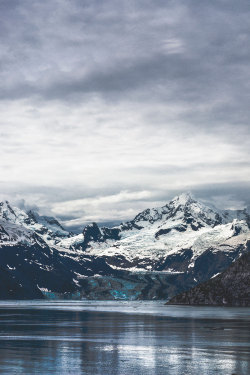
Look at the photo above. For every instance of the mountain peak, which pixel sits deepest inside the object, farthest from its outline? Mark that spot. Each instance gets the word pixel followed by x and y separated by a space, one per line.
pixel 183 198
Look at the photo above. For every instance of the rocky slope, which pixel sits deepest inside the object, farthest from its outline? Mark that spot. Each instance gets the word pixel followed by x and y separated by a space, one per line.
pixel 231 287
pixel 160 253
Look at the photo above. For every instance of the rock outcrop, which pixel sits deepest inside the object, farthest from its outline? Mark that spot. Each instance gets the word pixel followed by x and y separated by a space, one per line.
pixel 230 288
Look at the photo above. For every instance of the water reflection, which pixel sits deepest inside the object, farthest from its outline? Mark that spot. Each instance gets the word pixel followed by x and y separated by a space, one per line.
pixel 49 340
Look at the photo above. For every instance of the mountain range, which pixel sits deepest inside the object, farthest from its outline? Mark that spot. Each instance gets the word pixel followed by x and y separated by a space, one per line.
pixel 157 255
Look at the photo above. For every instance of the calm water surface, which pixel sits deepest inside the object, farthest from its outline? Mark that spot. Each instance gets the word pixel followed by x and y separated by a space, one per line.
pixel 125 338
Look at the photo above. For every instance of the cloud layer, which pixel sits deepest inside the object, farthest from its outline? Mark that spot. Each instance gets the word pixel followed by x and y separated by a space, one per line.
pixel 108 107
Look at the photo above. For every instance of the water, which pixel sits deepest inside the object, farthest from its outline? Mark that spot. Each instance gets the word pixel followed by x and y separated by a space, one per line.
pixel 125 338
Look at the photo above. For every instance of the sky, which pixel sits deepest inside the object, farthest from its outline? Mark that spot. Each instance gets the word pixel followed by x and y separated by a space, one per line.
pixel 110 107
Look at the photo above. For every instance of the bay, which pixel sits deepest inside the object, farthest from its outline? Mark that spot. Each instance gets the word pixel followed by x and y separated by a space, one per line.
pixel 122 338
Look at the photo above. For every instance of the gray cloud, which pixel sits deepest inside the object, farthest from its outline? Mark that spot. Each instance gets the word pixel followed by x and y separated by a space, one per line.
pixel 98 98
pixel 177 52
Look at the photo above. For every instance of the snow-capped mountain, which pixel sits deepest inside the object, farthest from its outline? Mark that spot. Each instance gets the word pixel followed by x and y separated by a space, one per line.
pixel 184 226
pixel 30 263
pixel 159 253
pixel 29 222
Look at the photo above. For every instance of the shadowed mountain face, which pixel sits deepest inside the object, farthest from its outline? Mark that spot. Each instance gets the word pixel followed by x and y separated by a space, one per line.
pixel 232 287
pixel 161 252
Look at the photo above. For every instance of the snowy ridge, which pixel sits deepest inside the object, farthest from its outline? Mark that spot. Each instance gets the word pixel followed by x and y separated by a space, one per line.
pixel 21 226
pixel 161 252
pixel 183 223
pixel 11 234
pixel 143 247
pixel 157 233
pixel 144 243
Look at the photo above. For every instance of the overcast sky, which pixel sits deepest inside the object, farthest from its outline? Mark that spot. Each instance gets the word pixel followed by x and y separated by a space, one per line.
pixel 109 107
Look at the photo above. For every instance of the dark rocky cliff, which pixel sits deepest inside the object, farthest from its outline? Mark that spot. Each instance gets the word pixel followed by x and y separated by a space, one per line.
pixel 230 288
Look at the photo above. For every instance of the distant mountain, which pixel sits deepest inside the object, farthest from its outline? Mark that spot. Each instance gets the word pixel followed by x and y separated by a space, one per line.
pixel 231 287
pixel 171 238
pixel 161 252
pixel 47 227
pixel 31 265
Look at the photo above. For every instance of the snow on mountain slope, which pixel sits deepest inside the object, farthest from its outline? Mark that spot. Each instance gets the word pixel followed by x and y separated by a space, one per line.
pixel 144 249
pixel 155 234
pixel 11 234
pixel 161 251
pixel 183 223
pixel 22 225
pixel 30 262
